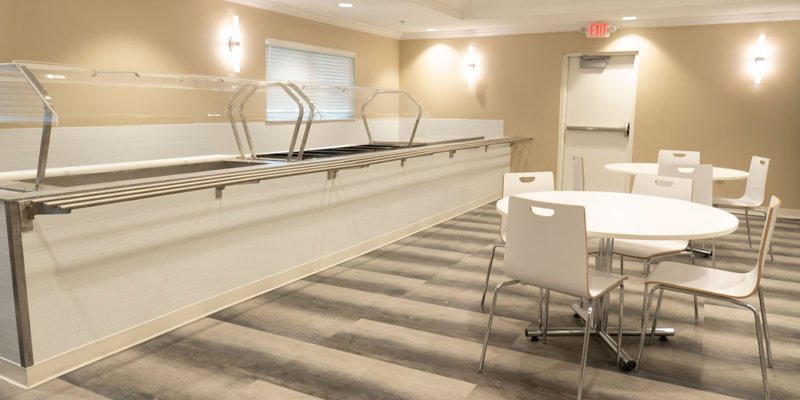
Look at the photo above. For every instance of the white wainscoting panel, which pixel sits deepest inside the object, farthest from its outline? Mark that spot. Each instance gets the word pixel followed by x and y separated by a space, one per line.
pixel 104 278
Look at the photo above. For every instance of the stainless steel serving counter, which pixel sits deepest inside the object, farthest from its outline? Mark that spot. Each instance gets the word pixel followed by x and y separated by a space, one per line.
pixel 60 195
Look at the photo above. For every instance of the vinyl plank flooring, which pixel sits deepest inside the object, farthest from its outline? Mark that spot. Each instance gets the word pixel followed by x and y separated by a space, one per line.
pixel 404 322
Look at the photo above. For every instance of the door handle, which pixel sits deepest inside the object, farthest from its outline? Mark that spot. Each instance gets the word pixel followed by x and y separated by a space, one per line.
pixel 624 129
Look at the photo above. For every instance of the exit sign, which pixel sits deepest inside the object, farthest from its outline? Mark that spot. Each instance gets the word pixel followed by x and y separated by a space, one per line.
pixel 599 30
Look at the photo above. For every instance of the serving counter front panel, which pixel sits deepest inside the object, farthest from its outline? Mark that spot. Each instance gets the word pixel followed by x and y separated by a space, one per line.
pixel 9 341
pixel 104 278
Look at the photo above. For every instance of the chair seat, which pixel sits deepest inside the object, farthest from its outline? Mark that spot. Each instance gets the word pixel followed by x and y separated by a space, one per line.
pixel 736 202
pixel 601 282
pixel 702 279
pixel 648 248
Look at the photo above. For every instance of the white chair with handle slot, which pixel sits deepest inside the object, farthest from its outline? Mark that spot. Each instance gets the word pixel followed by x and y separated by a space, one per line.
pixel 546 247
pixel 517 183
pixel 754 192
pixel 730 286
pixel 647 250
pixel 680 157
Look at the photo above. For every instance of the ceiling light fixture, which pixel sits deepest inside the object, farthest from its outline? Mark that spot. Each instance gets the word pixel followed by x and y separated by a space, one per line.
pixel 630 18
pixel 345 5
pixel 432 30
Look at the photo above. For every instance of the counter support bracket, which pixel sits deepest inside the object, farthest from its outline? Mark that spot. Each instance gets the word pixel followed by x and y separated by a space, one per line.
pixel 28 210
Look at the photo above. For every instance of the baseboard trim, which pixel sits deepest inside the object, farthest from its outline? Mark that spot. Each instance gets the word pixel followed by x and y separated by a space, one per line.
pixel 789 213
pixel 783 213
pixel 54 367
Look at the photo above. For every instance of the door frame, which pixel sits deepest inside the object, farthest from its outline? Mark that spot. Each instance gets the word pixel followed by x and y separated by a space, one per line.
pixel 562 115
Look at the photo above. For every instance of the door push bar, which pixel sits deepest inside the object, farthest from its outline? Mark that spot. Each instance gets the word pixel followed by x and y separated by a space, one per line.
pixel 625 129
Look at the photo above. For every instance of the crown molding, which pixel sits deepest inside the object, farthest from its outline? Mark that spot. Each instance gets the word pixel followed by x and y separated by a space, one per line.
pixel 660 23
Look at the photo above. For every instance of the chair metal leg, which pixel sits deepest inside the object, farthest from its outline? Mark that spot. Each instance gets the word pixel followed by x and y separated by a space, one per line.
pixel 655 317
pixel 489 272
pixel 713 253
pixel 619 325
pixel 696 311
pixel 585 352
pixel 648 300
pixel 491 317
pixel 766 326
pixel 546 314
pixel 541 309
pixel 747 224
pixel 760 336
pixel 621 264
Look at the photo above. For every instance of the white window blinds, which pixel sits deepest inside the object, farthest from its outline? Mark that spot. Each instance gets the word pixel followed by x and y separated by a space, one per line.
pixel 288 61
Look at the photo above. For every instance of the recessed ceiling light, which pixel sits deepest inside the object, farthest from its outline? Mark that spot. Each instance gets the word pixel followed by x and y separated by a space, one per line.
pixel 432 30
pixel 631 18
pixel 346 5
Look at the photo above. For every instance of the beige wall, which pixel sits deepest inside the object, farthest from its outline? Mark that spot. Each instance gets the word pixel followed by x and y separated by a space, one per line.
pixel 174 36
pixel 694 92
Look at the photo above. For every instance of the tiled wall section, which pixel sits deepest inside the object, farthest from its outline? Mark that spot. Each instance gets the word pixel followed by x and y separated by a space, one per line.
pixel 72 146
pixel 9 346
pixel 98 271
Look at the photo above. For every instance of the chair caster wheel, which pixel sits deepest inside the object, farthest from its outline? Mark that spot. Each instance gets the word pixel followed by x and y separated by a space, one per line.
pixel 662 339
pixel 706 256
pixel 534 338
pixel 576 315
pixel 628 366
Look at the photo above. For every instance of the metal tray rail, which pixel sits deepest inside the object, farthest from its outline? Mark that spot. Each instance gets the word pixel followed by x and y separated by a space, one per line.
pixel 65 202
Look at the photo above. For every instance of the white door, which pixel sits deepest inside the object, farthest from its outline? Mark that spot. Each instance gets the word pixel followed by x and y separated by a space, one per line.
pixel 597 118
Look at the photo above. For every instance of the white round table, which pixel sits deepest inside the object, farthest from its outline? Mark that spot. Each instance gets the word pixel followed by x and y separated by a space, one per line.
pixel 719 174
pixel 635 216
pixel 613 215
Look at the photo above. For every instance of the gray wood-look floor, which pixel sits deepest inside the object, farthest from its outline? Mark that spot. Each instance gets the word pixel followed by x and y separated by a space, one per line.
pixel 404 322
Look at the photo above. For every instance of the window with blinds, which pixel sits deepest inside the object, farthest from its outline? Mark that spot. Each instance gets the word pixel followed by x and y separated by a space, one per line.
pixel 287 61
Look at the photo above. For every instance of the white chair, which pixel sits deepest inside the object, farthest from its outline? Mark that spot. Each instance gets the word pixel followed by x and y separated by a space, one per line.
pixel 647 250
pixel 517 183
pixel 754 192
pixel 680 157
pixel 702 177
pixel 546 247
pixel 578 173
pixel 733 287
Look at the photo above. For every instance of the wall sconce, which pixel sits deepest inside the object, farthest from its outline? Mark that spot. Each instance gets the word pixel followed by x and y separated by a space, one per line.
pixel 760 61
pixel 235 44
pixel 471 70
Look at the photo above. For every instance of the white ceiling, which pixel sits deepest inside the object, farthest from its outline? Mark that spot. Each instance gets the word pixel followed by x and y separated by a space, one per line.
pixel 409 19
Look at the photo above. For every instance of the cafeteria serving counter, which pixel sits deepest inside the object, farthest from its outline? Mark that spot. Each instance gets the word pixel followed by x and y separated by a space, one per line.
pixel 96 259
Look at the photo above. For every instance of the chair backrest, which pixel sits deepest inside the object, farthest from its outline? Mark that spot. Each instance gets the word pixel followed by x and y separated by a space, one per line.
pixel 755 274
pixel 577 173
pixel 680 157
pixel 546 246
pixel 663 186
pixel 702 177
pixel 524 182
pixel 755 189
